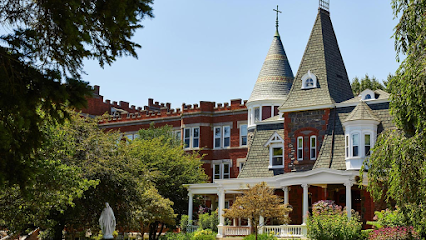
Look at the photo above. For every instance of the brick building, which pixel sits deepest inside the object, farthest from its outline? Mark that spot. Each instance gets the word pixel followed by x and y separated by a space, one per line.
pixel 305 135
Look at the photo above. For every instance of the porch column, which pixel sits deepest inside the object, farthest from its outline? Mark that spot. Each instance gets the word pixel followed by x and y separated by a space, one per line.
pixel 190 207
pixel 261 221
pixel 305 187
pixel 348 185
pixel 285 189
pixel 221 193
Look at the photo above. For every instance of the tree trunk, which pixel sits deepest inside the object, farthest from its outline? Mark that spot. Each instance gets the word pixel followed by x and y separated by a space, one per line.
pixel 161 231
pixel 153 230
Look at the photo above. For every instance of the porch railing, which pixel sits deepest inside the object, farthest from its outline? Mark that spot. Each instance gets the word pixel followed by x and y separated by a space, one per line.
pixel 285 230
pixel 191 228
pixel 236 231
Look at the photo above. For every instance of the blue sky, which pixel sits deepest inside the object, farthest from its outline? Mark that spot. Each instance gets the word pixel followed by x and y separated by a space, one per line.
pixel 213 50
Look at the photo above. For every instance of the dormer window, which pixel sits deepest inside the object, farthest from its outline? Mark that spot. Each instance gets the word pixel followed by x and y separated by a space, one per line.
pixel 367 94
pixel 276 151
pixel 309 80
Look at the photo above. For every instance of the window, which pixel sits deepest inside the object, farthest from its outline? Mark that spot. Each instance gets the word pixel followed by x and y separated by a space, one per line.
pixel 217 137
pixel 241 165
pixel 367 144
pixel 226 136
pixel 195 137
pixel 191 137
pixel 277 156
pixel 222 141
pixel 367 97
pixel 300 148
pixel 313 147
pixel 178 135
pixel 222 171
pixel 187 137
pixel 309 80
pixel 347 145
pixel 355 145
pixel 309 83
pixel 256 114
pixel 243 135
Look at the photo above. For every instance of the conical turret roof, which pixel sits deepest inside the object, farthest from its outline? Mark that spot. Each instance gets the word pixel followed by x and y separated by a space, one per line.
pixel 362 112
pixel 275 77
pixel 322 58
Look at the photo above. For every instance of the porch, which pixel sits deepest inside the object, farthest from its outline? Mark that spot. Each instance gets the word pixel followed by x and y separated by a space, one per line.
pixel 300 190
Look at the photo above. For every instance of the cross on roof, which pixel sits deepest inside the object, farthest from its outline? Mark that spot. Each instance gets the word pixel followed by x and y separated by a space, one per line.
pixel 276 22
pixel 324 4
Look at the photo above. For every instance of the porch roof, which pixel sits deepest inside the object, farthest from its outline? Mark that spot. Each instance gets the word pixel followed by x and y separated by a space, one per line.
pixel 319 176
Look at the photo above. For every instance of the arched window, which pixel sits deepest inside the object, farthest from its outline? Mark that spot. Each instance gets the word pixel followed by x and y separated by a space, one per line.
pixel 367 97
pixel 309 80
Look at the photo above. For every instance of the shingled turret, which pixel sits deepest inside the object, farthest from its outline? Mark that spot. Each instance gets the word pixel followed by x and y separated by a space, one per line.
pixel 321 79
pixel 275 77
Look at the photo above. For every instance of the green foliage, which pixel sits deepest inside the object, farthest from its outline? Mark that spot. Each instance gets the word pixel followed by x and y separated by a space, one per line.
pixel 41 62
pixel 169 166
pixel 184 222
pixel 328 222
pixel 208 221
pixel 204 234
pixel 263 236
pixel 394 233
pixel 388 218
pixel 366 83
pixel 177 236
pixel 397 171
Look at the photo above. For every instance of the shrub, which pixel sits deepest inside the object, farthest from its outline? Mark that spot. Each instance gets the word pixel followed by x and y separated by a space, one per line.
pixel 328 221
pixel 208 221
pixel 263 236
pixel 204 234
pixel 184 222
pixel 176 236
pixel 388 218
pixel 394 233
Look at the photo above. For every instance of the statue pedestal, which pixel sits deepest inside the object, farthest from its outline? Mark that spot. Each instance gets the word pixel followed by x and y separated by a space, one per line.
pixel 108 237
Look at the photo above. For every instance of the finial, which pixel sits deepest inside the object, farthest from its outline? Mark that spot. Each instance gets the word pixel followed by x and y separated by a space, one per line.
pixel 324 4
pixel 276 22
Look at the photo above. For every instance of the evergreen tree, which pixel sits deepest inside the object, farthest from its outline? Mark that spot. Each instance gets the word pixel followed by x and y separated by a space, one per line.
pixel 365 83
pixel 41 61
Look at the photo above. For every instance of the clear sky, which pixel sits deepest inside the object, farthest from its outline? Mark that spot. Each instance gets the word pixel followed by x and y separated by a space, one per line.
pixel 213 50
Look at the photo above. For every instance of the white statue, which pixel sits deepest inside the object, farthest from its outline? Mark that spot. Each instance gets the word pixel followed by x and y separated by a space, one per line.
pixel 107 222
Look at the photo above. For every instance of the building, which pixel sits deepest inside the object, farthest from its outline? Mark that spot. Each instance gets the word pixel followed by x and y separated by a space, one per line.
pixel 306 136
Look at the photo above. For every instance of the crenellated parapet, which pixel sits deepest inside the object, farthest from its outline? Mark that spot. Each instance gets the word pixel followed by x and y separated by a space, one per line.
pixel 122 111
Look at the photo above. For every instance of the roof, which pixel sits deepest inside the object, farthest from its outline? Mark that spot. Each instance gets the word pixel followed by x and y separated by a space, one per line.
pixel 362 112
pixel 257 163
pixel 379 95
pixel 275 77
pixel 332 152
pixel 323 58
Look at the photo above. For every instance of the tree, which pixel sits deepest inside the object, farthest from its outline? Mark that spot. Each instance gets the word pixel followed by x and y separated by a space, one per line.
pixel 366 83
pixel 71 200
pixel 397 168
pixel 258 201
pixel 162 154
pixel 41 62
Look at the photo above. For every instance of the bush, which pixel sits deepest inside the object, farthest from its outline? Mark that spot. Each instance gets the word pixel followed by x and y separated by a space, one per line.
pixel 176 236
pixel 328 221
pixel 208 221
pixel 394 233
pixel 263 236
pixel 388 218
pixel 184 222
pixel 204 234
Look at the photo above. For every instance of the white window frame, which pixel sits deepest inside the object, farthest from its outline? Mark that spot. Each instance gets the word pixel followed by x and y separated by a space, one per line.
pixel 313 147
pixel 275 141
pixel 359 144
pixel 347 151
pixel 193 138
pixel 224 137
pixel 299 156
pixel 241 135
pixel 219 137
pixel 272 156
pixel 365 145
pixel 259 118
pixel 221 164
pixel 308 76
pixel 185 137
